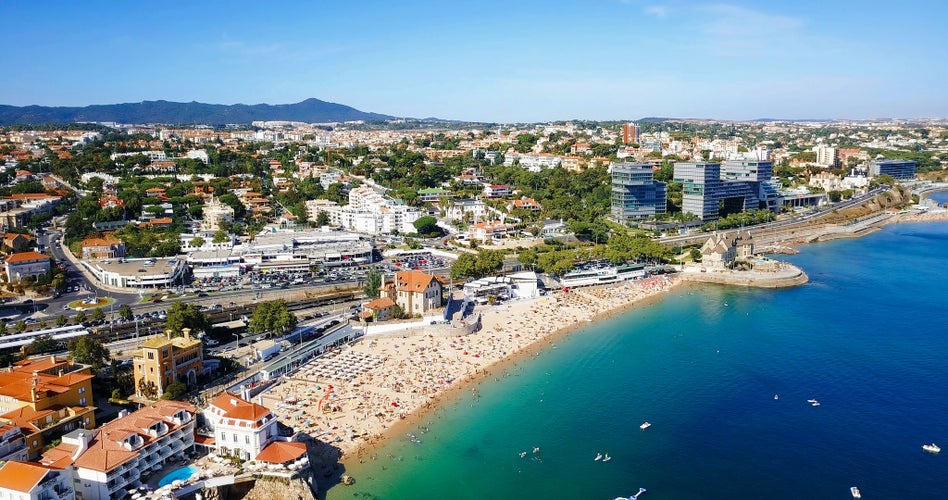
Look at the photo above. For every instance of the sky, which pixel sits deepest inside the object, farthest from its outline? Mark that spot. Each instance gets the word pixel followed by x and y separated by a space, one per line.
pixel 489 61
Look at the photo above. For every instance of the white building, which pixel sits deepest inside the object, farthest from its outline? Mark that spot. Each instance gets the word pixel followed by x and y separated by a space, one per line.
pixel 107 461
pixel 533 163
pixel 29 481
pixel 240 428
pixel 368 212
pixel 216 214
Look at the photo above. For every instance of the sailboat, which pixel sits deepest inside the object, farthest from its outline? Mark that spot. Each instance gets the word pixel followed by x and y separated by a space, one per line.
pixel 606 458
pixel 598 456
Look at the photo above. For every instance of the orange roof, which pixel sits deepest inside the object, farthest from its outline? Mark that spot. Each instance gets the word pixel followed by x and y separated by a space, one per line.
pixel 99 242
pixel 29 196
pixel 105 452
pixel 380 303
pixel 162 220
pixel 22 476
pixel 412 281
pixel 155 190
pixel 281 452
pixel 10 236
pixel 60 456
pixel 234 407
pixel 26 257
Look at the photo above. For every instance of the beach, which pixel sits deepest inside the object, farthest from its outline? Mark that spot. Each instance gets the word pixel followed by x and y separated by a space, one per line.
pixel 355 397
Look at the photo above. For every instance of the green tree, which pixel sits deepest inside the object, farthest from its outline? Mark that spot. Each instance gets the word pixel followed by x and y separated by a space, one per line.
pixel 220 237
pixel 61 320
pixel 695 254
pixel 175 390
pixel 39 345
pixel 834 196
pixel 428 226
pixel 80 317
pixel 322 219
pixel 272 316
pixel 197 242
pixel 98 315
pixel 373 282
pixel 3 328
pixel 181 316
pixel 125 312
pixel 20 326
pixel 88 351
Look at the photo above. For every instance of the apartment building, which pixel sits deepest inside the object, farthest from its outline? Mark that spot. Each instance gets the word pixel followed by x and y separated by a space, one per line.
pixel 635 192
pixel 45 398
pixel 29 481
pixel 238 427
pixel 163 360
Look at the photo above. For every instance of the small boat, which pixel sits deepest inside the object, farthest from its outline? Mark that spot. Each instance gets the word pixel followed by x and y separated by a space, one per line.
pixel 536 450
pixel 855 491
pixel 931 448
pixel 598 457
pixel 776 396
pixel 644 426
pixel 606 458
pixel 811 401
pixel 815 403
pixel 523 454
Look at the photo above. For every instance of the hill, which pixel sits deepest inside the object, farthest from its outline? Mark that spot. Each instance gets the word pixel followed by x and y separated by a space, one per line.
pixel 310 110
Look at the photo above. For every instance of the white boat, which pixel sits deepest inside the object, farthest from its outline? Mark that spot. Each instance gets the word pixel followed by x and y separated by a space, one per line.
pixel 811 401
pixel 815 403
pixel 606 458
pixel 855 491
pixel 598 457
pixel 644 426
pixel 931 448
pixel 776 396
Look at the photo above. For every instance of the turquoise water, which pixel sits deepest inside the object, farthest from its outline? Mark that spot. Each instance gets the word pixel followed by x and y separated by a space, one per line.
pixel 940 197
pixel 866 338
pixel 182 474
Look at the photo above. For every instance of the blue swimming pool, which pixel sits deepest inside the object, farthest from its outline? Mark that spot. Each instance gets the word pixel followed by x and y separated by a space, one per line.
pixel 182 474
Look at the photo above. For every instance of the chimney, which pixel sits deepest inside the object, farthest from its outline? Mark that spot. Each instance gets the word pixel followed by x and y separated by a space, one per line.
pixel 169 333
pixel 260 399
pixel 83 445
pixel 187 333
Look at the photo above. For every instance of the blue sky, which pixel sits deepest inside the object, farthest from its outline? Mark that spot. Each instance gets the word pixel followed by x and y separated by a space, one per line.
pixel 490 61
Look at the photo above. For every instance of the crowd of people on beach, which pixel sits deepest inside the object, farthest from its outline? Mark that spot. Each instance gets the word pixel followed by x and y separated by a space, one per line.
pixel 351 396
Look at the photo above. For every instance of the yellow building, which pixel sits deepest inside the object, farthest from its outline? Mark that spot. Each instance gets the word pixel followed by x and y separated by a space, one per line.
pixel 164 360
pixel 46 397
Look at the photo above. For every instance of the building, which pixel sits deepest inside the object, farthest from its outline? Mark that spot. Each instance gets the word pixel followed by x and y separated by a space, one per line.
pixel 826 156
pixel 496 190
pixel 897 169
pixel 415 292
pixel 102 248
pixel 16 242
pixel 712 189
pixel 630 133
pixel 138 273
pixel 240 428
pixel 721 249
pixel 23 264
pixel 216 215
pixel 368 212
pixel 432 195
pixel 491 230
pixel 163 360
pixel 380 309
pixel 46 397
pixel 29 481
pixel 106 462
pixel 12 444
pixel 466 209
pixel 524 203
pixel 635 193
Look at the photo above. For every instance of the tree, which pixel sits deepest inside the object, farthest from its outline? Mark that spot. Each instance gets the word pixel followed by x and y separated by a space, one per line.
pixel 20 326
pixel 175 390
pixel 322 219
pixel 3 328
pixel 181 316
pixel 197 242
pixel 61 320
pixel 428 226
pixel 272 316
pixel 40 344
pixel 220 237
pixel 98 315
pixel 834 196
pixel 80 317
pixel 88 351
pixel 125 312
pixel 373 282
pixel 695 254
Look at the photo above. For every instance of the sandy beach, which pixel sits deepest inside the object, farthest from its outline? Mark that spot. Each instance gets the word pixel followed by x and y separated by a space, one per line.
pixel 356 396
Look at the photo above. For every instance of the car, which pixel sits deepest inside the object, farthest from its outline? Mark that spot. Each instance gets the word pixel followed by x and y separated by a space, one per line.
pixel 211 342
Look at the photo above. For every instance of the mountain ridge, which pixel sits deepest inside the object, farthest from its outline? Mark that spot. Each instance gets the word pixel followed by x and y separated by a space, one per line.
pixel 186 113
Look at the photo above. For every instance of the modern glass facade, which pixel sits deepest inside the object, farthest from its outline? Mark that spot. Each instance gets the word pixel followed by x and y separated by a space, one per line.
pixel 635 193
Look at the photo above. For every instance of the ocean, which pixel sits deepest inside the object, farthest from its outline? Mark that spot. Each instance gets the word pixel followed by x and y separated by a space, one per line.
pixel 724 376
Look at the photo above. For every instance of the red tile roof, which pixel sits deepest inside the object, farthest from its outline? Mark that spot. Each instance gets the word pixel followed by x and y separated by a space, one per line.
pixel 232 406
pixel 27 257
pixel 412 281
pixel 281 452
pixel 380 303
pixel 22 476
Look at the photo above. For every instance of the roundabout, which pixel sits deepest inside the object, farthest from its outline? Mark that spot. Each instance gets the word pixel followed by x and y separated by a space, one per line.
pixel 90 303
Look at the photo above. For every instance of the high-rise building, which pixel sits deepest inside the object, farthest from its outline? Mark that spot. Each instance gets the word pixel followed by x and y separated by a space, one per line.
pixel 898 169
pixel 630 133
pixel 635 193
pixel 734 186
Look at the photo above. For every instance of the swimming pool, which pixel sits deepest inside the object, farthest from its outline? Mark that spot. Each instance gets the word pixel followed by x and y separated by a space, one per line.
pixel 182 474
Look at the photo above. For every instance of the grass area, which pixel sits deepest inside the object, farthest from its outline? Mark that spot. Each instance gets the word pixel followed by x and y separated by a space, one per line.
pixel 81 305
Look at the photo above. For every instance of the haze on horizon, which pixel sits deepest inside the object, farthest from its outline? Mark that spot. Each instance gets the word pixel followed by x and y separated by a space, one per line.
pixel 491 61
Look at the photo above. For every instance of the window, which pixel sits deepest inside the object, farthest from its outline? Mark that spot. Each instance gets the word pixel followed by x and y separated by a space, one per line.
pixel 223 436
pixel 82 401
pixel 82 390
pixel 151 355
pixel 235 437
pixel 247 439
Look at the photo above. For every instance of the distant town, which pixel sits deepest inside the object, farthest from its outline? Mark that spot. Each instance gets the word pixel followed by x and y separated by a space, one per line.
pixel 159 282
